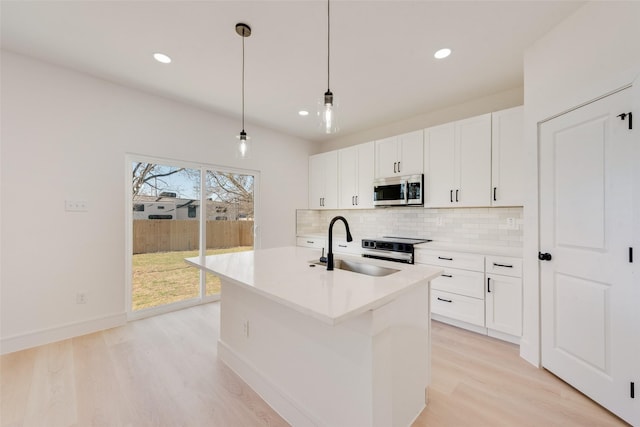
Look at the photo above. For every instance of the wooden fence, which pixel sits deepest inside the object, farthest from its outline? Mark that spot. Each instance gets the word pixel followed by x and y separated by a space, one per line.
pixel 156 235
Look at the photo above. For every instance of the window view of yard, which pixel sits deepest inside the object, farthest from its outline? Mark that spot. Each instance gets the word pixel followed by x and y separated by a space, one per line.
pixel 170 205
pixel 163 277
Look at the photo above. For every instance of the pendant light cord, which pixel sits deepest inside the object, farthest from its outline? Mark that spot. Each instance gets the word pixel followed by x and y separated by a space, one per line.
pixel 243 37
pixel 328 45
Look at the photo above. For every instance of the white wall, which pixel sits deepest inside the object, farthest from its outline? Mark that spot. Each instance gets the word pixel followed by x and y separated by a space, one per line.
pixel 591 53
pixel 65 136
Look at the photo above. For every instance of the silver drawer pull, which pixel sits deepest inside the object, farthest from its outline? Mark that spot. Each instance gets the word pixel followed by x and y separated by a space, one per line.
pixel 446 259
pixel 310 241
pixel 343 246
pixel 447 275
pixel 445 300
pixel 502 265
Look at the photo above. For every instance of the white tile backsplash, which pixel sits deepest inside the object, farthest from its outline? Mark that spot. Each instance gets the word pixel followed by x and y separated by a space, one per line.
pixel 479 226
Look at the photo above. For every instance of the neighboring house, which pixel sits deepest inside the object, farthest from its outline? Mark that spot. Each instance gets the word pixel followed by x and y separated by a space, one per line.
pixel 168 206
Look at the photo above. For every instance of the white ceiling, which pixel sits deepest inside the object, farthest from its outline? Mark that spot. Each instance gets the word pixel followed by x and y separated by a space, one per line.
pixel 382 65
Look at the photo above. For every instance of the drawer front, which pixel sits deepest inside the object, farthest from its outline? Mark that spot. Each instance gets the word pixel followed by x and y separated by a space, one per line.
pixel 506 266
pixel 466 309
pixel 450 259
pixel 461 282
pixel 310 242
pixel 344 247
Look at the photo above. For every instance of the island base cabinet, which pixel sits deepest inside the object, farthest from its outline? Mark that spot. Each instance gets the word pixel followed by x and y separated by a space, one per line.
pixel 369 370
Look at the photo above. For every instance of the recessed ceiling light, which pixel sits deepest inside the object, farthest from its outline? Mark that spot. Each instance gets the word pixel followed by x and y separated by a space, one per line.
pixel 442 53
pixel 303 113
pixel 161 57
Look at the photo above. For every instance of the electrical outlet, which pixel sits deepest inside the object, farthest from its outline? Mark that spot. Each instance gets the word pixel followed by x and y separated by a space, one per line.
pixel 511 224
pixel 76 205
pixel 81 298
pixel 439 221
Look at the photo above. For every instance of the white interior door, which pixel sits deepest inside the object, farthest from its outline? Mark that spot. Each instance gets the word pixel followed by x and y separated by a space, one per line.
pixel 587 300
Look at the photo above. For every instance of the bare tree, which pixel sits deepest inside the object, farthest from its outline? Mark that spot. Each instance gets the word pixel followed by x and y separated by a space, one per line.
pixel 150 174
pixel 231 188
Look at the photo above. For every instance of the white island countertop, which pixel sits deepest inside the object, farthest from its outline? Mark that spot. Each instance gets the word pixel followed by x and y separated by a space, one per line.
pixel 284 275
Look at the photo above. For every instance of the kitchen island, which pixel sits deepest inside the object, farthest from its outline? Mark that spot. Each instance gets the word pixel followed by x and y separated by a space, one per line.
pixel 327 348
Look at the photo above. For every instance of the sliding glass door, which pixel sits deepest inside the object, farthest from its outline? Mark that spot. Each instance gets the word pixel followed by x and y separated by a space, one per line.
pixel 180 211
pixel 230 216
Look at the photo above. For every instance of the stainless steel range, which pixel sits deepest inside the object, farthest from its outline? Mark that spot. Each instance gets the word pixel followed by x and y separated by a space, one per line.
pixel 398 249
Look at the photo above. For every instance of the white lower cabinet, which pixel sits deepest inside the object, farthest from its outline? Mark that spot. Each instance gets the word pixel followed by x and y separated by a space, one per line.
pixel 311 242
pixel 340 245
pixel 477 292
pixel 504 295
pixel 460 307
pixel 503 304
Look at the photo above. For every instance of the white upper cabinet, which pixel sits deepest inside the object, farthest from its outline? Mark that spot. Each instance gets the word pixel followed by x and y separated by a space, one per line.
pixel 507 157
pixel 458 163
pixel 400 155
pixel 355 175
pixel 439 177
pixel 323 181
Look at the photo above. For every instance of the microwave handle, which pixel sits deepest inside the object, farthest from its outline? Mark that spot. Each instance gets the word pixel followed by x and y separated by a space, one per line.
pixel 405 184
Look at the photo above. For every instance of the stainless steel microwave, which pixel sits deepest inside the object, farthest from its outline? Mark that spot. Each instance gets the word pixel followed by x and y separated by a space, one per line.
pixel 398 191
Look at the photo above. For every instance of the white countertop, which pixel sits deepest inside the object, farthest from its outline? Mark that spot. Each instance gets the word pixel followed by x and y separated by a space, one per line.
pixel 470 248
pixel 284 275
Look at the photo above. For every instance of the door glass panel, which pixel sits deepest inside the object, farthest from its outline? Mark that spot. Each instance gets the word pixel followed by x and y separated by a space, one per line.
pixel 166 229
pixel 230 216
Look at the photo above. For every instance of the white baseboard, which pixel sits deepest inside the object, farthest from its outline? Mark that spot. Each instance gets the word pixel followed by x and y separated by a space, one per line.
pixel 59 333
pixel 504 336
pixel 279 401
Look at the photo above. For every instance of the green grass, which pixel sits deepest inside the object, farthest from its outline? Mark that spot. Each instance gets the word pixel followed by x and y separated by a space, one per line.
pixel 163 277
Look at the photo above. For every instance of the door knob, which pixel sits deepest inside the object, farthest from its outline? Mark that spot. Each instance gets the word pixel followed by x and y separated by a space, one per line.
pixel 544 256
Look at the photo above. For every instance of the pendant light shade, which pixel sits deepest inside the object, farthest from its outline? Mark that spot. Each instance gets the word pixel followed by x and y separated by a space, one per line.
pixel 328 104
pixel 243 150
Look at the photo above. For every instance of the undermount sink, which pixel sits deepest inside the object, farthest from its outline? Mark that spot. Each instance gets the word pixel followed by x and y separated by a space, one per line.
pixel 359 267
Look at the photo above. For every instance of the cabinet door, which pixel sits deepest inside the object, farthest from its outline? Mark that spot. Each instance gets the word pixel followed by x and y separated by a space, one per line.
pixel 323 181
pixel 364 194
pixel 386 157
pixel 347 177
pixel 411 159
pixel 507 157
pixel 331 180
pixel 504 304
pixel 316 181
pixel 439 165
pixel 473 161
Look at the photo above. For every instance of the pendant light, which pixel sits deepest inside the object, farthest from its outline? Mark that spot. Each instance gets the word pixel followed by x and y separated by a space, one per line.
pixel 244 147
pixel 327 105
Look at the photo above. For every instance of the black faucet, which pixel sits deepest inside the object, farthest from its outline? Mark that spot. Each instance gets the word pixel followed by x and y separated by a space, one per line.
pixel 349 239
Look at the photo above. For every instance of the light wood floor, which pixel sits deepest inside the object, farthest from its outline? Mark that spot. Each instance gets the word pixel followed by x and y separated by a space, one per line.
pixel 164 371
